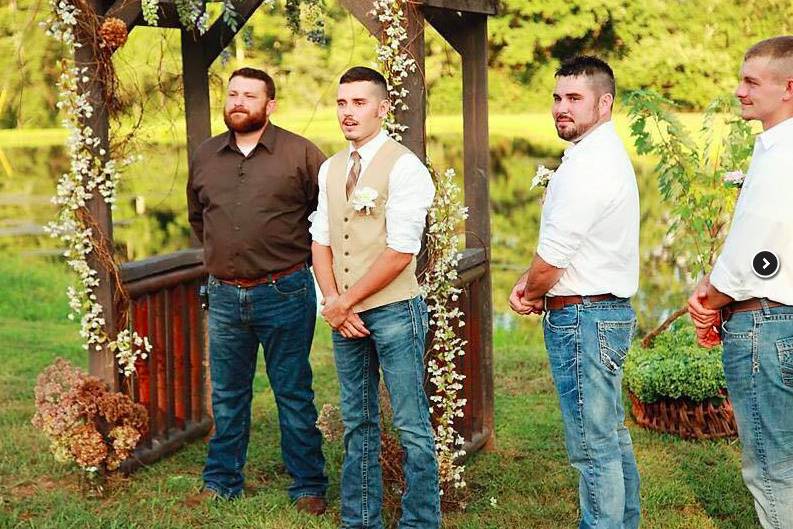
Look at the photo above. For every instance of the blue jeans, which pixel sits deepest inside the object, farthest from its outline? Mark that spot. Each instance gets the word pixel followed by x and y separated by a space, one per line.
pixel 758 363
pixel 281 317
pixel 396 344
pixel 586 346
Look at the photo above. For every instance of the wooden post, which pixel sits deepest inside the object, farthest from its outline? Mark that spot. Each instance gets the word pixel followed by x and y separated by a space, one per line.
pixel 195 78
pixel 477 193
pixel 101 363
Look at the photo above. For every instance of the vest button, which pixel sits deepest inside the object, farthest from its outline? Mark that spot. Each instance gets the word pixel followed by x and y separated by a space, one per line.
pixel 346 287
pixel 346 219
pixel 346 253
pixel 346 235
pixel 346 270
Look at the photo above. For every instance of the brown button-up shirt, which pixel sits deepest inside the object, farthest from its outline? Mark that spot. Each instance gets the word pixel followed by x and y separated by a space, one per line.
pixel 251 212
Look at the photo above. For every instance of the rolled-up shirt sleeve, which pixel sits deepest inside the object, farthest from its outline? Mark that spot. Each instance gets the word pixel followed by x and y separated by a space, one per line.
pixel 410 194
pixel 572 209
pixel 320 227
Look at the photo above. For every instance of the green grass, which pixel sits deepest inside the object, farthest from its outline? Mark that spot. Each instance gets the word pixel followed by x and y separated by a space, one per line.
pixel 686 485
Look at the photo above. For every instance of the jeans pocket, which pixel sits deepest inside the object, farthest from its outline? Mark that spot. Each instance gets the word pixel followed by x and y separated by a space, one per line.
pixel 562 320
pixel 614 340
pixel 291 285
pixel 784 348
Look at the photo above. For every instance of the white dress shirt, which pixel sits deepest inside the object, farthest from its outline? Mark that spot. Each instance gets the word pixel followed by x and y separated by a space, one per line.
pixel 590 218
pixel 410 194
pixel 763 220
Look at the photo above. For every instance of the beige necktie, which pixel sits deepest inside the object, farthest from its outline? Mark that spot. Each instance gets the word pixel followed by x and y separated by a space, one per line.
pixel 355 172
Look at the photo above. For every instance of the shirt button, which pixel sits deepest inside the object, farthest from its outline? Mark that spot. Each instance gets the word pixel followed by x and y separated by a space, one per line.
pixel 239 203
pixel 236 228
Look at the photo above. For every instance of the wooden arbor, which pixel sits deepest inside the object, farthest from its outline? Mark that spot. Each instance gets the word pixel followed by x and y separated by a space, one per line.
pixel 173 381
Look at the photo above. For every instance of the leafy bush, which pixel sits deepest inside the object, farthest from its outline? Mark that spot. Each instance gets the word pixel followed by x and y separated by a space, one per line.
pixel 675 367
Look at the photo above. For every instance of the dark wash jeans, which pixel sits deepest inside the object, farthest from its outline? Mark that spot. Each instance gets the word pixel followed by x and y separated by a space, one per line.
pixel 587 344
pixel 758 363
pixel 281 317
pixel 396 344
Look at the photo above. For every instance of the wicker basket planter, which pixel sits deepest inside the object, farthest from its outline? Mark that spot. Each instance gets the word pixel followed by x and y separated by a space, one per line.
pixel 686 418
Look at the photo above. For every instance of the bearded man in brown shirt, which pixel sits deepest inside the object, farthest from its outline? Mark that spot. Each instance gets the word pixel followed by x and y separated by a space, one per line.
pixel 250 192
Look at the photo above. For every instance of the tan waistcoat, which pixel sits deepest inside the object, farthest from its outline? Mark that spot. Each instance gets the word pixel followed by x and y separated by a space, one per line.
pixel 356 238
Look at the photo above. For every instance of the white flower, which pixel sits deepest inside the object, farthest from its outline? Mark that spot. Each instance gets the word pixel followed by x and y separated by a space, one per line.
pixel 363 199
pixel 493 501
pixel 734 178
pixel 541 177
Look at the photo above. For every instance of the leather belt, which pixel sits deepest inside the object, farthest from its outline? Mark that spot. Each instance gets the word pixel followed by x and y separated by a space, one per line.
pixel 746 305
pixel 560 302
pixel 269 278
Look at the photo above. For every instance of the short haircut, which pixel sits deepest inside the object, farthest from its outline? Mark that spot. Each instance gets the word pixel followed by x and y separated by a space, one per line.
pixel 777 49
pixel 261 75
pixel 597 69
pixel 362 73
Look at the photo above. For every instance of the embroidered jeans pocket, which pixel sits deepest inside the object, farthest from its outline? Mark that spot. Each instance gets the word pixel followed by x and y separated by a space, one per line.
pixel 614 340
pixel 784 348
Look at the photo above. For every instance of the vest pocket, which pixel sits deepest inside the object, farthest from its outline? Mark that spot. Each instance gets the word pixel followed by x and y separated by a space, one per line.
pixel 614 340
pixel 784 348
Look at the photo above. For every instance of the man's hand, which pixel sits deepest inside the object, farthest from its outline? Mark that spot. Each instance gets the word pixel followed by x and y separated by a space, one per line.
pixel 702 316
pixel 340 316
pixel 522 305
pixel 707 321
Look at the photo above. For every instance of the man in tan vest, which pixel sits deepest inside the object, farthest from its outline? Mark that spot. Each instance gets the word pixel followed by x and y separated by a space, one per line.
pixel 373 202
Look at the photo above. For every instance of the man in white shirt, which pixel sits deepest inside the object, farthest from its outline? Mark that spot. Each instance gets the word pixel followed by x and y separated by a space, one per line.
pixel 747 300
pixel 584 271
pixel 373 202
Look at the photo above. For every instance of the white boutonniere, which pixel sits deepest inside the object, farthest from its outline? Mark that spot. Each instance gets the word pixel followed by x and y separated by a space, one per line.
pixel 363 199
pixel 734 178
pixel 541 177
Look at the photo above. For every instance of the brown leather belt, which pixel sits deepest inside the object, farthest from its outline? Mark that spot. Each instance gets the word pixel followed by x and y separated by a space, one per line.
pixel 560 302
pixel 746 305
pixel 272 277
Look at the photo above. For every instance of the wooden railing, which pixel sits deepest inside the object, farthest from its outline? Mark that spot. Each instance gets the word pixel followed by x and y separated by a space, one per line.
pixel 172 382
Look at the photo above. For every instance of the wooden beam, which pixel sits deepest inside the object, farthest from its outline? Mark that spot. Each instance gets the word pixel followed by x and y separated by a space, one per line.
pixel 448 24
pixel 480 7
pixel 362 11
pixel 220 35
pixel 129 11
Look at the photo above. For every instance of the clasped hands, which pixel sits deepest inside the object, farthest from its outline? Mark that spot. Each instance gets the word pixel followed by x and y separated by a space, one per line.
pixel 339 315
pixel 523 306
pixel 706 321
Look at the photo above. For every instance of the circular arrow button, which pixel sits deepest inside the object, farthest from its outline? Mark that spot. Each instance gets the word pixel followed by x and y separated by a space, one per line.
pixel 765 264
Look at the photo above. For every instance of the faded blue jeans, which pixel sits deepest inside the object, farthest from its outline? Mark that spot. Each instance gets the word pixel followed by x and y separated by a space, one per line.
pixel 396 344
pixel 586 346
pixel 281 317
pixel 758 363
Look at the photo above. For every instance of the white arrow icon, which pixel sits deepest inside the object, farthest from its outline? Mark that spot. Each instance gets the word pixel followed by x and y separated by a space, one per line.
pixel 766 263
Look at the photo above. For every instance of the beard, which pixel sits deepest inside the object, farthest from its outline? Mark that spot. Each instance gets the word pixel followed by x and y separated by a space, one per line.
pixel 574 130
pixel 251 121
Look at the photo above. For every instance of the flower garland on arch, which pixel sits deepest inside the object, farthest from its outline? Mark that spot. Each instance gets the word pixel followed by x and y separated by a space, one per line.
pixel 90 171
pixel 445 216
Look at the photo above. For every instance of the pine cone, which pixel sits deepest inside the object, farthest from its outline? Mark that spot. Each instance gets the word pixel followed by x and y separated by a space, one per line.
pixel 113 32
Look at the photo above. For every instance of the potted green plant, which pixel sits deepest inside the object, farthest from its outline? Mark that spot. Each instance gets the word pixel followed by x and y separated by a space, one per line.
pixel 674 385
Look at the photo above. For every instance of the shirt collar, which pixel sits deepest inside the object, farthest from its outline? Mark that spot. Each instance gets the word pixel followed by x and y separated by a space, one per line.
pixel 590 137
pixel 370 148
pixel 777 133
pixel 266 139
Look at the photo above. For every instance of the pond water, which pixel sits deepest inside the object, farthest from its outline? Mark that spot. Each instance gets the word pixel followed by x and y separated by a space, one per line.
pixel 151 219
